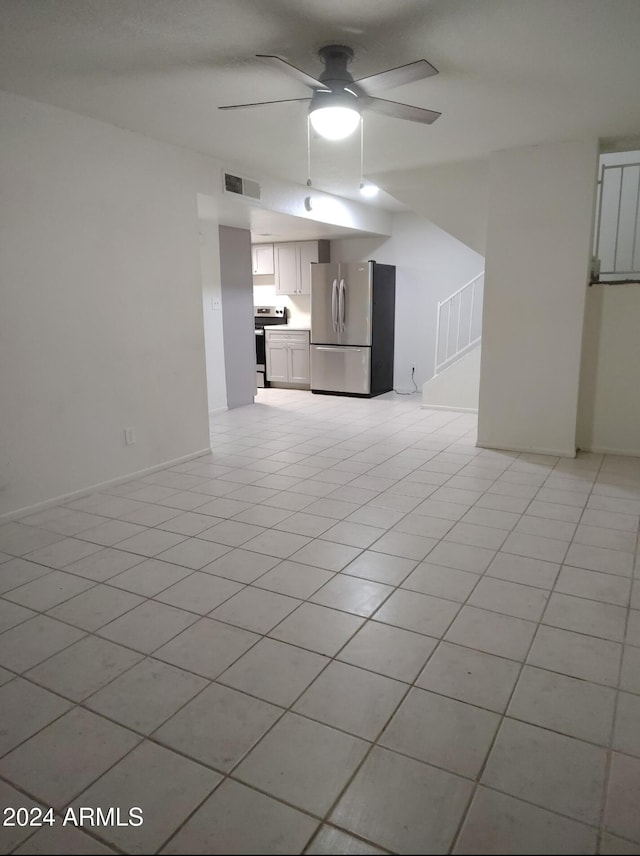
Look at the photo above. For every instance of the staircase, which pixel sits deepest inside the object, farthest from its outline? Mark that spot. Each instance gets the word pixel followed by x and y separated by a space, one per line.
pixel 617 228
pixel 456 379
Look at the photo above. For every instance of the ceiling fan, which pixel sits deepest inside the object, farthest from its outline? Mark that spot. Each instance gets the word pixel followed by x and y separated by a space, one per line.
pixel 338 100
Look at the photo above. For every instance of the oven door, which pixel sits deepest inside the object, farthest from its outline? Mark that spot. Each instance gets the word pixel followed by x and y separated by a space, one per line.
pixel 261 359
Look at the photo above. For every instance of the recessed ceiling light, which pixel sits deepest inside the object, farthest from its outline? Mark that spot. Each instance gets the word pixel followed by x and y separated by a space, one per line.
pixel 369 190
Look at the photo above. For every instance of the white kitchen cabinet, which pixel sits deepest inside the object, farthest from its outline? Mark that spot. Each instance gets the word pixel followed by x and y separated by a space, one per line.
pixel 298 362
pixel 308 252
pixel 292 264
pixel 287 356
pixel 287 268
pixel 262 259
pixel 277 358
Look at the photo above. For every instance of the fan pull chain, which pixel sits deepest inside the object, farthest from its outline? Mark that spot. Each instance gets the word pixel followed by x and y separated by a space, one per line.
pixel 309 182
pixel 361 151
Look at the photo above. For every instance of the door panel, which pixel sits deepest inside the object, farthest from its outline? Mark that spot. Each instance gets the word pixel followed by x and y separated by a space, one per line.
pixel 338 369
pixel 308 253
pixel 298 363
pixel 357 287
pixel 262 256
pixel 322 278
pixel 286 266
pixel 277 363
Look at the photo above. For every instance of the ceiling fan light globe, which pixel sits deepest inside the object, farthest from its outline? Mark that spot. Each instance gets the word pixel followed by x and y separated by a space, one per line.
pixel 334 123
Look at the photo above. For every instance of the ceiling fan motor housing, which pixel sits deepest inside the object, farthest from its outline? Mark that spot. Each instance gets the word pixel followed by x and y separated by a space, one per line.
pixel 336 58
pixel 336 77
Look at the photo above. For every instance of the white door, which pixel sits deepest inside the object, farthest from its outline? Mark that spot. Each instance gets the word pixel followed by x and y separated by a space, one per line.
pixel 298 363
pixel 277 363
pixel 262 257
pixel 286 265
pixel 308 253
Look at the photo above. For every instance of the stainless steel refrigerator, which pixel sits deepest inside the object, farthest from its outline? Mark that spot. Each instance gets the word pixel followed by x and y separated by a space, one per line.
pixel 352 328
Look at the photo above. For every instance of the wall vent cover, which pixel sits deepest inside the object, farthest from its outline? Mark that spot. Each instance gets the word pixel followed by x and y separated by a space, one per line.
pixel 240 186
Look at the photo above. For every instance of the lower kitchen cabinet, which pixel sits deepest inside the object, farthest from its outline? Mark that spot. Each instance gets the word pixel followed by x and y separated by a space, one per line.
pixel 287 356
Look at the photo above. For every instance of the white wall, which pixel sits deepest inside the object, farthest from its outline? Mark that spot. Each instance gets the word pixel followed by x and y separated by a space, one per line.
pixel 540 223
pixel 609 409
pixel 613 158
pixel 451 195
pixel 430 265
pixel 104 283
pixel 212 315
pixel 287 197
pixel 101 313
pixel 237 315
pixel 456 387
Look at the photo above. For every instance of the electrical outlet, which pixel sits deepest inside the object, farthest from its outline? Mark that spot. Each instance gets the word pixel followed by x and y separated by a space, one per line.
pixel 413 367
pixel 129 436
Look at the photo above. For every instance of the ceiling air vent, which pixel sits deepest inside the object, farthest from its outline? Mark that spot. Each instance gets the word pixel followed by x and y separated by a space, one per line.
pixel 240 186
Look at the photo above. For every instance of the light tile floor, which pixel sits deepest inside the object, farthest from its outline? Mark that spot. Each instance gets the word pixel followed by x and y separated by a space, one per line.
pixel 347 630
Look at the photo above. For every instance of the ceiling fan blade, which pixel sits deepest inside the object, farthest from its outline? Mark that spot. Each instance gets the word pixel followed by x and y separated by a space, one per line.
pixel 261 103
pixel 292 71
pixel 401 111
pixel 397 76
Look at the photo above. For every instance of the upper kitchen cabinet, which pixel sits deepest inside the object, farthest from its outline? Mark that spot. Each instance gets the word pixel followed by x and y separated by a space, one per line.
pixel 292 264
pixel 262 259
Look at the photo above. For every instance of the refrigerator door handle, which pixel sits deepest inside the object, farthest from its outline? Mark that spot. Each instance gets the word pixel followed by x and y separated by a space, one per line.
pixel 334 305
pixel 341 306
pixel 337 349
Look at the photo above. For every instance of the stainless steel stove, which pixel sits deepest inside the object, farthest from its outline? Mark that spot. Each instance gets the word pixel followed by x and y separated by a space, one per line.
pixel 265 316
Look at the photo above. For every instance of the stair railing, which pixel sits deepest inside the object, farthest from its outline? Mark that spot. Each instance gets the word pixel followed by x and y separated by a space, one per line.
pixel 617 229
pixel 459 323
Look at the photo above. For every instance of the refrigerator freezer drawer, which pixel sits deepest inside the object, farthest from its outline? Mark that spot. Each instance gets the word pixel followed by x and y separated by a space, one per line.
pixel 341 369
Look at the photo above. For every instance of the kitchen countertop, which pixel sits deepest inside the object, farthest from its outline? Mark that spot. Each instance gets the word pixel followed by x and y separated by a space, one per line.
pixel 292 328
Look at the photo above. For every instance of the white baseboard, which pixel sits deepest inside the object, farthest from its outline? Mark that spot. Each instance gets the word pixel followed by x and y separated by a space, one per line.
pixel 218 410
pixel 76 494
pixel 605 450
pixel 442 407
pixel 529 450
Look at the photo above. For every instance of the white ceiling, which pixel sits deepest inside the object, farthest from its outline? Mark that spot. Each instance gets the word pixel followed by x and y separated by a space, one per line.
pixel 268 226
pixel 511 73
